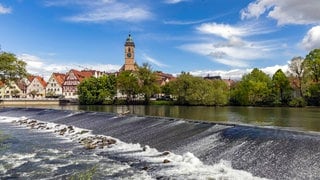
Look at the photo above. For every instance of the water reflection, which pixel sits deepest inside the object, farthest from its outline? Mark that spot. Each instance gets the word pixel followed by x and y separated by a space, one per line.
pixel 299 118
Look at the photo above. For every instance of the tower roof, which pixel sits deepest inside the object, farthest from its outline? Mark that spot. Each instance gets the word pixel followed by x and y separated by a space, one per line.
pixel 129 41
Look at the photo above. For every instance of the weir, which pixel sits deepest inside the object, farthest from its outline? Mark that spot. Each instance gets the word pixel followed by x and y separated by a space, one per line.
pixel 265 152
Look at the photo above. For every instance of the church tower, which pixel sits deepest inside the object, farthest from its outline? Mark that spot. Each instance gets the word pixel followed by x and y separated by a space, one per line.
pixel 129 52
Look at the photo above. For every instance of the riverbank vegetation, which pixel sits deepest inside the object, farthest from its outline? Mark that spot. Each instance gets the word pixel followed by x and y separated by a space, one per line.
pixel 299 86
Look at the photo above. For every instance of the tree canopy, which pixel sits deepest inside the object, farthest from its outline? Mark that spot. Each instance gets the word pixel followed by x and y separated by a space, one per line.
pixel 312 77
pixel 312 65
pixel 281 88
pixel 11 68
pixel 97 90
pixel 198 91
pixel 253 89
pixel 127 83
pixel 147 81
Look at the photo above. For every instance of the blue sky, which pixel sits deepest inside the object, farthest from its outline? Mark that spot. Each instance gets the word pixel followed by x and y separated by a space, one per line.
pixel 216 37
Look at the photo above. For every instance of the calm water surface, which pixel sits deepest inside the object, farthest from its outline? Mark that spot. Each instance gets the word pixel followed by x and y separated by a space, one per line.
pixel 306 119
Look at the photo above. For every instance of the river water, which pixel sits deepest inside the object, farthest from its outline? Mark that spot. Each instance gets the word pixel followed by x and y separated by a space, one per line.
pixel 305 119
pixel 238 143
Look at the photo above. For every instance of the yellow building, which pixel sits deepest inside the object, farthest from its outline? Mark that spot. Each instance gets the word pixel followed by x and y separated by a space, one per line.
pixel 37 87
pixel 14 89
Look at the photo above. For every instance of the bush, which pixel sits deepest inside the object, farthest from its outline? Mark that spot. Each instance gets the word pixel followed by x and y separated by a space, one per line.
pixel 297 102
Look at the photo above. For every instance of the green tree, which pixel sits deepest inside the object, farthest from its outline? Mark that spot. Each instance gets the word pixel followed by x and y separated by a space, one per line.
pixel 191 90
pixel 128 83
pixel 147 81
pixel 97 90
pixel 207 92
pixel 312 65
pixel 11 68
pixel 167 89
pixel 181 86
pixel 312 77
pixel 220 92
pixel 281 88
pixel 253 89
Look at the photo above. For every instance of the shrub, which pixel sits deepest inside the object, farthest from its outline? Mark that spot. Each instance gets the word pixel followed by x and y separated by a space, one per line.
pixel 298 102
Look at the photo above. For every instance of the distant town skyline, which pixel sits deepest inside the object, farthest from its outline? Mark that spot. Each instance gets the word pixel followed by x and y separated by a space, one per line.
pixel 226 38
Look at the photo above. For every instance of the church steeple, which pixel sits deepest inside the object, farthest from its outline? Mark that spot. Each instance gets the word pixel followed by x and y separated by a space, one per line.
pixel 129 41
pixel 129 53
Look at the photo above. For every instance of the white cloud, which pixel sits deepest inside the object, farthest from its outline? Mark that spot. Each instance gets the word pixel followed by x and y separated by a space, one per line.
pixel 153 61
pixel 222 30
pixel 5 10
pixel 174 1
pixel 272 69
pixel 312 39
pixel 228 31
pixel 285 11
pixel 233 50
pixel 236 74
pixel 38 66
pixel 233 55
pixel 105 10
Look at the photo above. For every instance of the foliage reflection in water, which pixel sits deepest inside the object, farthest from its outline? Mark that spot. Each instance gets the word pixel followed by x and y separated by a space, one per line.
pixel 306 119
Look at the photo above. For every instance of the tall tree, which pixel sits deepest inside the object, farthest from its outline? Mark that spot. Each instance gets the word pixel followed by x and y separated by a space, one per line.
pixel 97 90
pixel 296 70
pixel 312 65
pixel 281 87
pixel 253 89
pixel 312 77
pixel 180 87
pixel 11 68
pixel 192 90
pixel 128 83
pixel 147 81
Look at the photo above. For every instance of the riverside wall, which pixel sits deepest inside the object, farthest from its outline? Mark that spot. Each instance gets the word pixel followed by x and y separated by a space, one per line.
pixel 21 102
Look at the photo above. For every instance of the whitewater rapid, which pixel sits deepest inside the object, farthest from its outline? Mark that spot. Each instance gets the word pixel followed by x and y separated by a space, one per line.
pixel 116 160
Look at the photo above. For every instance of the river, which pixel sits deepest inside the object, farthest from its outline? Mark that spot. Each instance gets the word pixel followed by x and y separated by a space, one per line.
pixel 237 143
pixel 304 119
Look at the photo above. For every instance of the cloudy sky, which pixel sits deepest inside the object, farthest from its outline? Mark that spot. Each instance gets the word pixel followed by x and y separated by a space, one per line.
pixel 216 37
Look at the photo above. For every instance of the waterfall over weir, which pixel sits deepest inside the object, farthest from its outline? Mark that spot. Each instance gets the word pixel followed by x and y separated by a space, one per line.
pixel 264 152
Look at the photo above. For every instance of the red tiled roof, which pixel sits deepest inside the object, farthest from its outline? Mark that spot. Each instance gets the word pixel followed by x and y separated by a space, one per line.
pixel 30 78
pixel 59 77
pixel 81 75
pixel 42 81
pixel 163 77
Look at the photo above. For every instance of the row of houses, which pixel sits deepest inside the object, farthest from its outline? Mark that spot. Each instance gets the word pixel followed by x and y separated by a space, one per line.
pixel 58 85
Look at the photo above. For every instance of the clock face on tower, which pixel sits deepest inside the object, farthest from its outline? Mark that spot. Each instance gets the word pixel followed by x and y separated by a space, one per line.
pixel 128 55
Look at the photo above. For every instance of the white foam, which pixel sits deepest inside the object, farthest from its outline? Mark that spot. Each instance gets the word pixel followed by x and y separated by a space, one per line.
pixel 13 161
pixel 185 166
